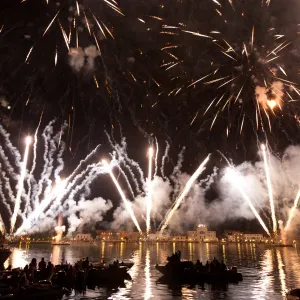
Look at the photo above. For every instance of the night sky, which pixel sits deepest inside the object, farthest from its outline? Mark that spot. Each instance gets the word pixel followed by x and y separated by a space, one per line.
pixel 135 95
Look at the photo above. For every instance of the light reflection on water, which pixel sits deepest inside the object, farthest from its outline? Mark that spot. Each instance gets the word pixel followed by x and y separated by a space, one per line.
pixel 148 293
pixel 281 273
pixel 268 272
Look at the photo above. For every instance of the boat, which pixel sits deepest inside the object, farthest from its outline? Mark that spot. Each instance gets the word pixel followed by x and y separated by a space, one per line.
pixel 112 275
pixel 122 263
pixel 4 254
pixel 186 272
pixel 43 289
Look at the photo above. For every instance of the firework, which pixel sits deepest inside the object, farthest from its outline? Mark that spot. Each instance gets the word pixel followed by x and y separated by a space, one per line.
pixel 270 188
pixel 129 168
pixel 80 15
pixel 292 212
pixel 42 198
pixel 236 180
pixel 245 69
pixel 20 185
pixel 127 204
pixel 59 229
pixel 39 199
pixel 182 195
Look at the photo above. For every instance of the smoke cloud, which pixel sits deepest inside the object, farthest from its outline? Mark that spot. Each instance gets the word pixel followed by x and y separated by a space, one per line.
pixel 271 97
pixel 229 203
pixel 49 195
pixel 83 59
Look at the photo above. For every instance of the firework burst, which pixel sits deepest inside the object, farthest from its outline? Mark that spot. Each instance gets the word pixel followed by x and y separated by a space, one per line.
pixel 75 18
pixel 245 64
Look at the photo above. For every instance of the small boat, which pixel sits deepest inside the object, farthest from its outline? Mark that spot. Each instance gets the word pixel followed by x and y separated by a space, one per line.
pixel 128 264
pixel 122 263
pixel 43 289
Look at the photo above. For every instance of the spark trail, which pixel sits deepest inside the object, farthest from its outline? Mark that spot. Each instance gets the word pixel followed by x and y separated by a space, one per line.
pixel 46 193
pixel 184 192
pixel 126 202
pixel 270 189
pixel 239 184
pixel 20 185
pixel 292 212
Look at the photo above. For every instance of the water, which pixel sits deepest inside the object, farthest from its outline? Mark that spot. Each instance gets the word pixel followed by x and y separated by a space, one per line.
pixel 268 272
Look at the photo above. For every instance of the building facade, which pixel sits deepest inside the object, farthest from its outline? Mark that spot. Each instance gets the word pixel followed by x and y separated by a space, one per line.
pixel 238 237
pixel 130 236
pixel 84 237
pixel 234 236
pixel 179 238
pixel 254 237
pixel 202 234
pixel 117 236
pixel 157 237
pixel 192 236
pixel 106 235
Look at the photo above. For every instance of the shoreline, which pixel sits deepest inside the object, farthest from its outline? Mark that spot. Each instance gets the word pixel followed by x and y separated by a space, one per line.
pixel 80 243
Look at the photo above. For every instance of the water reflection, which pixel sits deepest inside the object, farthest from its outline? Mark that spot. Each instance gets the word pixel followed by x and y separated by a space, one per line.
pixel 239 251
pixel 292 265
pixel 265 282
pixel 207 251
pixel 55 257
pixel 224 253
pixel 102 250
pixel 19 257
pixel 148 292
pixel 267 272
pixel 281 273
pixel 121 249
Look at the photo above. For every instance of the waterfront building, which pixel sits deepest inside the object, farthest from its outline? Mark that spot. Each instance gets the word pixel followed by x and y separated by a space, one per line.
pixel 238 236
pixel 118 236
pixel 106 235
pixel 152 237
pixel 202 234
pixel 157 237
pixel 205 235
pixel 192 236
pixel 234 236
pixel 165 237
pixel 130 236
pixel 254 237
pixel 84 237
pixel 179 238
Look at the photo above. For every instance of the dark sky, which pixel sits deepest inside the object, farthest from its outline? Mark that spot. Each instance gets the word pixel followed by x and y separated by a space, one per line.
pixel 141 109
